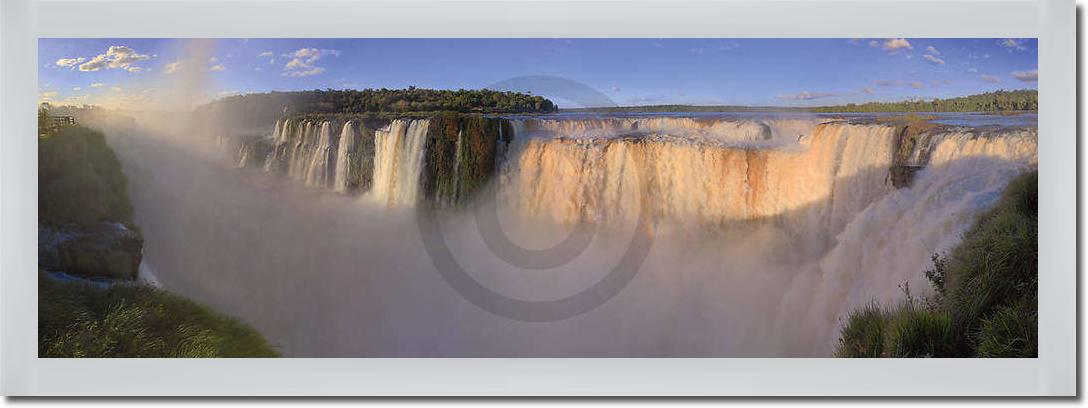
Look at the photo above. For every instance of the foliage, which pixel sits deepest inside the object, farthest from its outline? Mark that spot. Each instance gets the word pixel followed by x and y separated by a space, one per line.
pixel 986 290
pixel 1010 332
pixel 863 334
pixel 997 101
pixel 126 320
pixel 45 127
pixel 258 108
pixel 916 332
pixel 80 181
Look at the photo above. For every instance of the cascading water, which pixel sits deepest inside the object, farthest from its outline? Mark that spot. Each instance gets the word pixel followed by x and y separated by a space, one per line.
pixel 767 231
pixel 317 172
pixel 345 149
pixel 398 162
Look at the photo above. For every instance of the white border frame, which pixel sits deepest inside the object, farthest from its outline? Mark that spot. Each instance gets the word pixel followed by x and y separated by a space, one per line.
pixel 22 22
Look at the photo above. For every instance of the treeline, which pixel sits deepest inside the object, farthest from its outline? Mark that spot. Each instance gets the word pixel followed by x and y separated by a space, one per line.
pixel 997 101
pixel 259 109
pixel 687 108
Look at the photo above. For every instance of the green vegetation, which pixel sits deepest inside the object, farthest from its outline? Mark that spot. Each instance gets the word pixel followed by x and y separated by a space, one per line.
pixel 81 192
pixel 985 301
pixel 259 109
pixel 80 180
pixel 997 101
pixel 81 320
pixel 452 179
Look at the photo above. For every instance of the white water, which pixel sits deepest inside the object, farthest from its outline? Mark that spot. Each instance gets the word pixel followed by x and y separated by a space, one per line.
pixel 398 162
pixel 343 156
pixel 759 248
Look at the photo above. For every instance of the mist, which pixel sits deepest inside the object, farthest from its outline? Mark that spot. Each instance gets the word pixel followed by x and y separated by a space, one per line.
pixel 762 241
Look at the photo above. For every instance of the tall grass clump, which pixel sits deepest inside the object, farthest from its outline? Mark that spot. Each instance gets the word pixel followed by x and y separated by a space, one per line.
pixel 985 300
pixel 82 320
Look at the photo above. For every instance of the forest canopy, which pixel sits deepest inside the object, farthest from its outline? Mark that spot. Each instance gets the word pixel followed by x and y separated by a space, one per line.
pixel 997 101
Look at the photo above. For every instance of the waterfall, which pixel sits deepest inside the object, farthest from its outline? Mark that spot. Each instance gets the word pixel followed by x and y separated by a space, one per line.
pixel 344 152
pixel 398 162
pixel 317 172
pixel 818 183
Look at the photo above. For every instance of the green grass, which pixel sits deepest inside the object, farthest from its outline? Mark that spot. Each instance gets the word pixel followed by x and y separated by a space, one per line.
pixel 863 335
pixel 81 320
pixel 986 291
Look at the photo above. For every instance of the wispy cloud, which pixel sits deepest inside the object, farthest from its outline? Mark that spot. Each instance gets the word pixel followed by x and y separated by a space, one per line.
pixel 868 90
pixel 894 44
pixel 932 59
pixel 1026 76
pixel 97 85
pixel 217 68
pixel 888 82
pixel 806 96
pixel 172 67
pixel 1012 44
pixel 933 50
pixel 616 89
pixel 993 79
pixel 917 85
pixel 266 54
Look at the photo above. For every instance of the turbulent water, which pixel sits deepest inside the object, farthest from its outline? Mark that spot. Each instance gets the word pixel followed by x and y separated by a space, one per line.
pixel 766 231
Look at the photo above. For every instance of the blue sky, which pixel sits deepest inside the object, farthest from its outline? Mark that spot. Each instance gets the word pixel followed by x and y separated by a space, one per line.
pixel 136 73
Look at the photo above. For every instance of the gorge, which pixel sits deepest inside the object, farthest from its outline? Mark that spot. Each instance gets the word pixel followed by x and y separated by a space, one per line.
pixel 767 229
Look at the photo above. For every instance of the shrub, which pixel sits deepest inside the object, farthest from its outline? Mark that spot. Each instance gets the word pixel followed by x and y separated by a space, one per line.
pixel 863 334
pixel 80 180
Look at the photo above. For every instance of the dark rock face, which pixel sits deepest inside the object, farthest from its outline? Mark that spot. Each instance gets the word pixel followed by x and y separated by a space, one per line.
pixel 462 155
pixel 107 250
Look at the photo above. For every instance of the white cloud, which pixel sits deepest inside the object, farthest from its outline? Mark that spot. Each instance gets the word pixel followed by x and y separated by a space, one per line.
pixel 117 56
pixel 308 72
pixel 1012 44
pixel 990 78
pixel 806 96
pixel 868 89
pixel 972 70
pixel 874 43
pixel 934 60
pixel 265 54
pixel 76 88
pixel 171 67
pixel 896 44
pixel 47 95
pixel 1026 76
pixel 97 84
pixel 217 68
pixel 933 50
pixel 116 89
pixel 213 59
pixel 616 89
pixel 69 62
pixel 303 60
